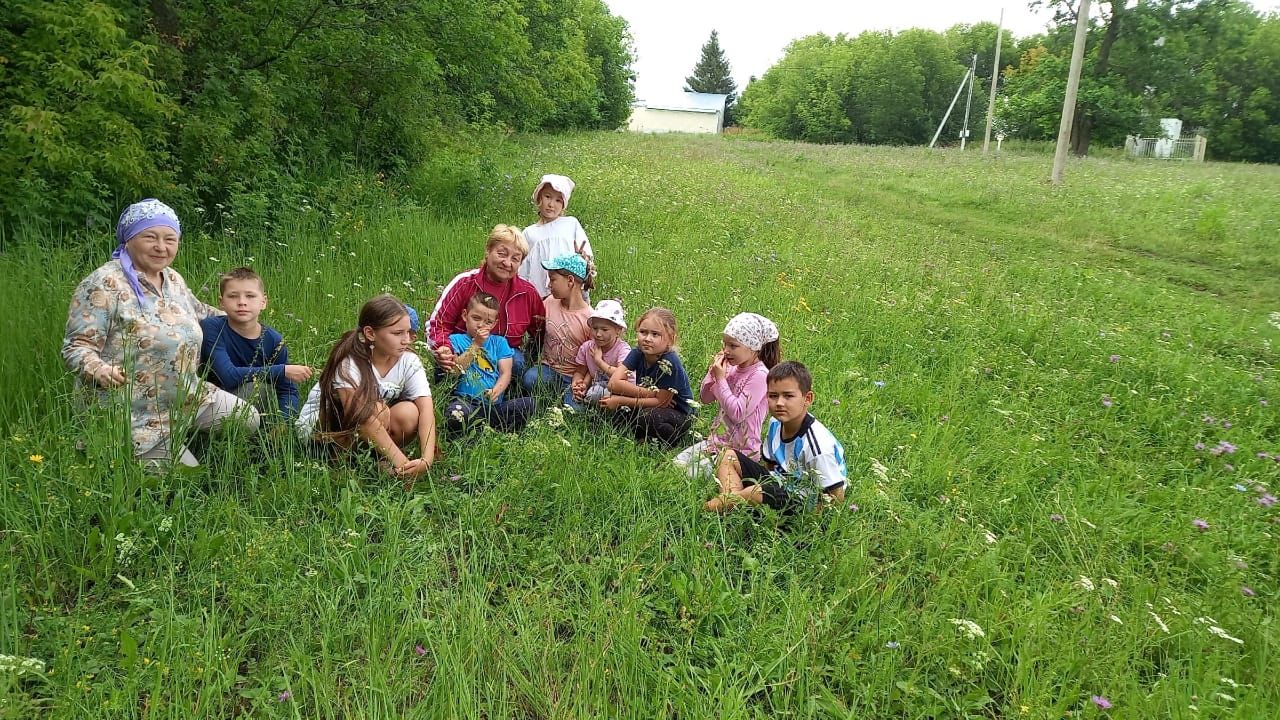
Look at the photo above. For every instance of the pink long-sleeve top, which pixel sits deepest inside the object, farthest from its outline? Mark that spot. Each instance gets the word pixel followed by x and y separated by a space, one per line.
pixel 741 396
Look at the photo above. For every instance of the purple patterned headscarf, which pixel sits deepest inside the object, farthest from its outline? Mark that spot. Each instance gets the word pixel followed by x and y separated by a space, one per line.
pixel 137 217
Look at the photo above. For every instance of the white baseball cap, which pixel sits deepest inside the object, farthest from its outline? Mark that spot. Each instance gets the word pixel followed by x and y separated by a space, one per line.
pixel 559 183
pixel 610 310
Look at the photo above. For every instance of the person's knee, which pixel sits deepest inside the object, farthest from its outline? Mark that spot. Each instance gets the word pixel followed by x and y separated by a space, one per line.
pixel 252 419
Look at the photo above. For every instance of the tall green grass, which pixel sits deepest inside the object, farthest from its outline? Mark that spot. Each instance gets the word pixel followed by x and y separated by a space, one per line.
pixel 1020 374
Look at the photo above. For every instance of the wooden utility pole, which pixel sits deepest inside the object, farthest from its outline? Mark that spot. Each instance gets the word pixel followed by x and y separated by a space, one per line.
pixel 995 78
pixel 1069 102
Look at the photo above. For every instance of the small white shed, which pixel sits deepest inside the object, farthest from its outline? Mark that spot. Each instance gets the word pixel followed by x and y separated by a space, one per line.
pixel 687 112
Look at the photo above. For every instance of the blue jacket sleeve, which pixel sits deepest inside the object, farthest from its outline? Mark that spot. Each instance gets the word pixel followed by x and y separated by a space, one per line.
pixel 286 389
pixel 226 373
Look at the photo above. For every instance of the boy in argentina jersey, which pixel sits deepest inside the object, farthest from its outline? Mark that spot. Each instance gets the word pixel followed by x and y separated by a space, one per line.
pixel 803 462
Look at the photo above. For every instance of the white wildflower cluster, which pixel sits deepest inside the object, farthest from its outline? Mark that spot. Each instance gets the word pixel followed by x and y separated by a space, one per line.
pixel 1085 584
pixel 21 665
pixel 166 523
pixel 879 470
pixel 1274 319
pixel 1217 631
pixel 970 628
pixel 126 549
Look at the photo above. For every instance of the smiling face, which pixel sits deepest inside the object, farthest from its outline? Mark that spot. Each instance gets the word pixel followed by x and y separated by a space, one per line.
pixel 502 261
pixel 243 300
pixel 737 353
pixel 787 402
pixel 604 333
pixel 652 336
pixel 550 204
pixel 479 318
pixel 391 340
pixel 153 249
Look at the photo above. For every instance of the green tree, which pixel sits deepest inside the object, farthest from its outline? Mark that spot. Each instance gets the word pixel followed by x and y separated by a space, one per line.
pixel 712 75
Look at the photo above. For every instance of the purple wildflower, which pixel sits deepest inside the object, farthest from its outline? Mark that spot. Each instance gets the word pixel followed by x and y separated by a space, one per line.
pixel 455 478
pixel 1114 358
pixel 1264 456
pixel 419 650
pixel 284 696
pixel 1208 420
pixel 1106 401
pixel 1226 424
pixel 1101 702
pixel 1056 517
pixel 1267 500
pixel 1200 525
pixel 1227 447
pixel 1247 591
pixel 1199 446
pixel 853 507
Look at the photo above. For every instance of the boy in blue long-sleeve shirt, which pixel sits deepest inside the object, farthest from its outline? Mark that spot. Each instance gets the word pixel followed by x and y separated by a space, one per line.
pixel 245 357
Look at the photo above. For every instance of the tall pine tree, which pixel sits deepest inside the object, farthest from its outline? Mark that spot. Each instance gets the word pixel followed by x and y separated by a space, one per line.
pixel 712 75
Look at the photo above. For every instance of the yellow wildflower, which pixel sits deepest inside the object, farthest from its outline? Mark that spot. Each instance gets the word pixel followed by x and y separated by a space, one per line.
pixel 37 459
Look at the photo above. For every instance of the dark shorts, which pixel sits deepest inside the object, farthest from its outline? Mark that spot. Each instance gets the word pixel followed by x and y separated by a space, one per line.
pixel 781 492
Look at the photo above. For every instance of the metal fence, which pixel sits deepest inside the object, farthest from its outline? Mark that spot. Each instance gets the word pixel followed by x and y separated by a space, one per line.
pixel 1183 148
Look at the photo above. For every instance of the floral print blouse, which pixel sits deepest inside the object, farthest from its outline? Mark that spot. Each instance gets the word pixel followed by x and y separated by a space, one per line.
pixel 156 346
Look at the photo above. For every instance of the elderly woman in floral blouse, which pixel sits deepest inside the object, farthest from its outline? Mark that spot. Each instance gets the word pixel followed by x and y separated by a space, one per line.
pixel 135 326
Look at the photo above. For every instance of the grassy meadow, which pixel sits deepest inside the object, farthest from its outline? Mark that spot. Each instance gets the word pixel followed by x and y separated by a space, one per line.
pixel 1059 407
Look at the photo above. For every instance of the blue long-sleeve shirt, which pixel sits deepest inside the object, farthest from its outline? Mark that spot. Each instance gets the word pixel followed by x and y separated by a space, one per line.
pixel 230 360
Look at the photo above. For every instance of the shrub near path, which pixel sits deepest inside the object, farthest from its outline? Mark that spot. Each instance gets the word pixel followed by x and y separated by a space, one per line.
pixel 1059 407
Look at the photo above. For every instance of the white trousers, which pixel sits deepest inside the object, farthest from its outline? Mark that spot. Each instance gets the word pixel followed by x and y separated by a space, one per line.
pixel 213 413
pixel 696 462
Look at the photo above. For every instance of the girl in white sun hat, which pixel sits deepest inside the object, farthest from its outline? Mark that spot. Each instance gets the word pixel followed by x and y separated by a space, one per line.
pixel 555 234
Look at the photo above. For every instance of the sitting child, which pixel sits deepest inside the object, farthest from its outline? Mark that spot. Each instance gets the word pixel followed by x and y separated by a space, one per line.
pixel 567 327
pixel 484 360
pixel 803 461
pixel 656 406
pixel 374 392
pixel 597 357
pixel 244 357
pixel 736 381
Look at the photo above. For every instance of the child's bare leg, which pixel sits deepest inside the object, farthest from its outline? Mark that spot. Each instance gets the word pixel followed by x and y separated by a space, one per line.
pixel 729 472
pixel 402 422
pixel 753 495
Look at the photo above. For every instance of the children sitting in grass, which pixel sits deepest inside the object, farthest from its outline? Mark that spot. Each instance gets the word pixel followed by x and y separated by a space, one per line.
pixel 567 327
pixel 244 357
pixel 555 233
pixel 484 362
pixel 598 356
pixel 736 381
pixel 803 462
pixel 656 405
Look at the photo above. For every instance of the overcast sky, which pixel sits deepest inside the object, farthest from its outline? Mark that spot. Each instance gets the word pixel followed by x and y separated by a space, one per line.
pixel 669 34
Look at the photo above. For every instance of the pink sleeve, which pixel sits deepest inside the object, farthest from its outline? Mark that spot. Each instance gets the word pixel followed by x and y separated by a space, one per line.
pixel 737 408
pixel 706 393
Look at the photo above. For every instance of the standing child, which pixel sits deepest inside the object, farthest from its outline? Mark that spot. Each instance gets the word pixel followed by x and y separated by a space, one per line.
pixel 597 357
pixel 244 357
pixel 657 403
pixel 555 233
pixel 484 360
pixel 567 326
pixel 803 462
pixel 736 381
pixel 373 389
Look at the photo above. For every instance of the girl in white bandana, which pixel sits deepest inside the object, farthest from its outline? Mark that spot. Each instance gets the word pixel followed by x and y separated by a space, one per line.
pixel 735 380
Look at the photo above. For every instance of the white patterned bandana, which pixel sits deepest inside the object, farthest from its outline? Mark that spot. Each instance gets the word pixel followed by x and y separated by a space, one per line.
pixel 752 330
pixel 145 214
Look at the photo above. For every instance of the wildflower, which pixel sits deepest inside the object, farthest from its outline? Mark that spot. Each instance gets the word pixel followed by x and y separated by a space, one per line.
pixel 1247 591
pixel 944 418
pixel 969 628
pixel 1114 358
pixel 419 650
pixel 1116 620
pixel 1229 467
pixel 879 470
pixel 878 383
pixel 1262 402
pixel 1226 424
pixel 853 507
pixel 1159 622
pixel 37 459
pixel 1085 584
pixel 835 401
pixel 1239 488
pixel 1208 419
pixel 1219 632
pixel 1200 525
pixel 989 537
pixel 1106 401
pixel 1111 582
pixel 892 645
pixel 1101 702
pixel 1199 446
pixel 282 697
pixel 20 665
pixel 1267 500
pixel 455 478
pixel 1056 518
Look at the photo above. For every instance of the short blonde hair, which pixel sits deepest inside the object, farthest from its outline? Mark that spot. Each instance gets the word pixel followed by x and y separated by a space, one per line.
pixel 507 234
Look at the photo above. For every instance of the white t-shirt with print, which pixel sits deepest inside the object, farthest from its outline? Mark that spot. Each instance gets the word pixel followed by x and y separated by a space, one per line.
pixel 406 380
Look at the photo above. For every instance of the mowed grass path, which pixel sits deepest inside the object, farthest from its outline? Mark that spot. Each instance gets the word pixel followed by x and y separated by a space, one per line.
pixel 1022 376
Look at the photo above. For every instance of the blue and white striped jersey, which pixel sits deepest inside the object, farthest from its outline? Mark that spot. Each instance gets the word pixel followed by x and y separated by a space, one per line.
pixel 813 454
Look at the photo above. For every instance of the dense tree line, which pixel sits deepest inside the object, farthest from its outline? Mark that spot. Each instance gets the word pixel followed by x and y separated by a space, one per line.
pixel 1215 64
pixel 232 104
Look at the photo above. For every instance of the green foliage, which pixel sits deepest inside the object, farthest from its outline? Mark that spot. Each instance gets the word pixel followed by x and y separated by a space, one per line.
pixel 712 74
pixel 83 123
pixel 230 110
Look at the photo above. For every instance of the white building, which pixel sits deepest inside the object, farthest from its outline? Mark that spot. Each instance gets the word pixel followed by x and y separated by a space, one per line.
pixel 687 112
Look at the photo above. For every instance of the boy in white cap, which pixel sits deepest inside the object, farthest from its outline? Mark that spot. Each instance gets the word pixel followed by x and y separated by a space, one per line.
pixel 555 233
pixel 598 356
